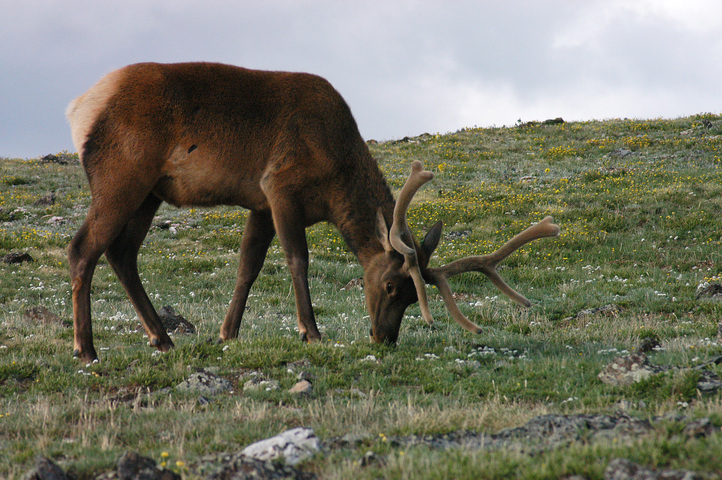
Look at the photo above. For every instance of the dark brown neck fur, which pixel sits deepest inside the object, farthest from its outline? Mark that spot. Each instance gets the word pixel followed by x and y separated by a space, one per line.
pixel 365 191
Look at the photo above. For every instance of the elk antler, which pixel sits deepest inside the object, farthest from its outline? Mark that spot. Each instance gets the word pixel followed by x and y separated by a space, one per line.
pixel 400 236
pixel 486 264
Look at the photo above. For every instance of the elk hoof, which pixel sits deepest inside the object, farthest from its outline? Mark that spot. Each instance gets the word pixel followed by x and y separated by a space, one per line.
pixel 87 357
pixel 305 337
pixel 161 345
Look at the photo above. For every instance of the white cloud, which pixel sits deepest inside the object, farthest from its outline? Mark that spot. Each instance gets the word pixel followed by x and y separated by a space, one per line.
pixel 404 67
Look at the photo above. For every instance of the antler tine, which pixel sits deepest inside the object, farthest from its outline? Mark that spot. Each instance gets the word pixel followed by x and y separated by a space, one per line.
pixel 400 234
pixel 486 264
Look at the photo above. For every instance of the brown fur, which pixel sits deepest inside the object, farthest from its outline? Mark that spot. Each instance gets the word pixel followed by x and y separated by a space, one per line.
pixel 283 145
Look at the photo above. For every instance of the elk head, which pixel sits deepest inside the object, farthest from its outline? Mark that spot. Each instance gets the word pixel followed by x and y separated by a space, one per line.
pixel 396 278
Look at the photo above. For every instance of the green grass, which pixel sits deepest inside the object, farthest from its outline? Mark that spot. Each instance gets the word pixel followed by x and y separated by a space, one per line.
pixel 639 203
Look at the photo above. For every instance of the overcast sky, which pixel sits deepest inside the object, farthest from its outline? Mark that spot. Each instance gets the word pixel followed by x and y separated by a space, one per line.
pixel 404 67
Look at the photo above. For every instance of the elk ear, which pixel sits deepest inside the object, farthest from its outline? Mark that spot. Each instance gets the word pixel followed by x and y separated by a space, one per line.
pixel 431 240
pixel 382 231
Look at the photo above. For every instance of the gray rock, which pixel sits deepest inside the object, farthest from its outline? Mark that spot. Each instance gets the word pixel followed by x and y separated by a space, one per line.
pixel 241 467
pixel 204 383
pixel 132 465
pixel 709 382
pixel 293 446
pixel 623 469
pixel 45 469
pixel 628 369
pixel 540 433
pixel 558 429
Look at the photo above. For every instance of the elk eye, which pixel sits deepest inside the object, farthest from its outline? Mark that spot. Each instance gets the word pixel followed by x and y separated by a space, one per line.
pixel 390 288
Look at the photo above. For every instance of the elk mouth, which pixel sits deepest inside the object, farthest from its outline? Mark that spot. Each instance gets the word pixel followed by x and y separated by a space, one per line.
pixel 386 335
pixel 388 339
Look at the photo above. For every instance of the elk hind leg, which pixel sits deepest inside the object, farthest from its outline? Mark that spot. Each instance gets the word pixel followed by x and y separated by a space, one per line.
pixel 122 254
pixel 83 254
pixel 101 227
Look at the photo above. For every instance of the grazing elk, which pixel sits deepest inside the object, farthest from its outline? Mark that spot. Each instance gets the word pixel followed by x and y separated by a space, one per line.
pixel 283 145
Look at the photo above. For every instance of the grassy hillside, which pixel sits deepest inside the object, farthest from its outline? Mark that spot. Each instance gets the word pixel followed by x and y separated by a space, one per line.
pixel 639 204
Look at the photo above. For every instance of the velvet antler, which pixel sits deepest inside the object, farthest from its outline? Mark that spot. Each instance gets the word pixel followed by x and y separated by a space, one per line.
pixel 486 264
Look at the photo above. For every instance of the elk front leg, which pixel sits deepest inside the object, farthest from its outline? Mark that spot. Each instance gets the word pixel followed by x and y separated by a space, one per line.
pixel 257 237
pixel 290 226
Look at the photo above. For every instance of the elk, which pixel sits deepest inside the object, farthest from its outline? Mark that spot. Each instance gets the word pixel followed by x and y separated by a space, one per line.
pixel 282 145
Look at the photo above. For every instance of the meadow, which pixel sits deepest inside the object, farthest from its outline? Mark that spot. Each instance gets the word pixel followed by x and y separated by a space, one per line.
pixel 639 203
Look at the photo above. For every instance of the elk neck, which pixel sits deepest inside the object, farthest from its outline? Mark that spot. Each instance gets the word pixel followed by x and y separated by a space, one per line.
pixel 364 191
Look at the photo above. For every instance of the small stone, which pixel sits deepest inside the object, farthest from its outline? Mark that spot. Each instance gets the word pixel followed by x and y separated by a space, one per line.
pixel 648 344
pixel 46 200
pixel 620 152
pixel 175 323
pixel 356 283
pixel 133 466
pixel 299 364
pixel 610 310
pixel 354 439
pixel 59 159
pixel 709 290
pixel 260 384
pixel 39 314
pixel 553 121
pixel 17 257
pixel 304 387
pixel 701 427
pixel 369 458
pixel 355 392
pixel 709 382
pixel 204 383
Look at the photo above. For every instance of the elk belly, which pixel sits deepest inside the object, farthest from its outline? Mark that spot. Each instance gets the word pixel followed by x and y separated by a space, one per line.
pixel 190 177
